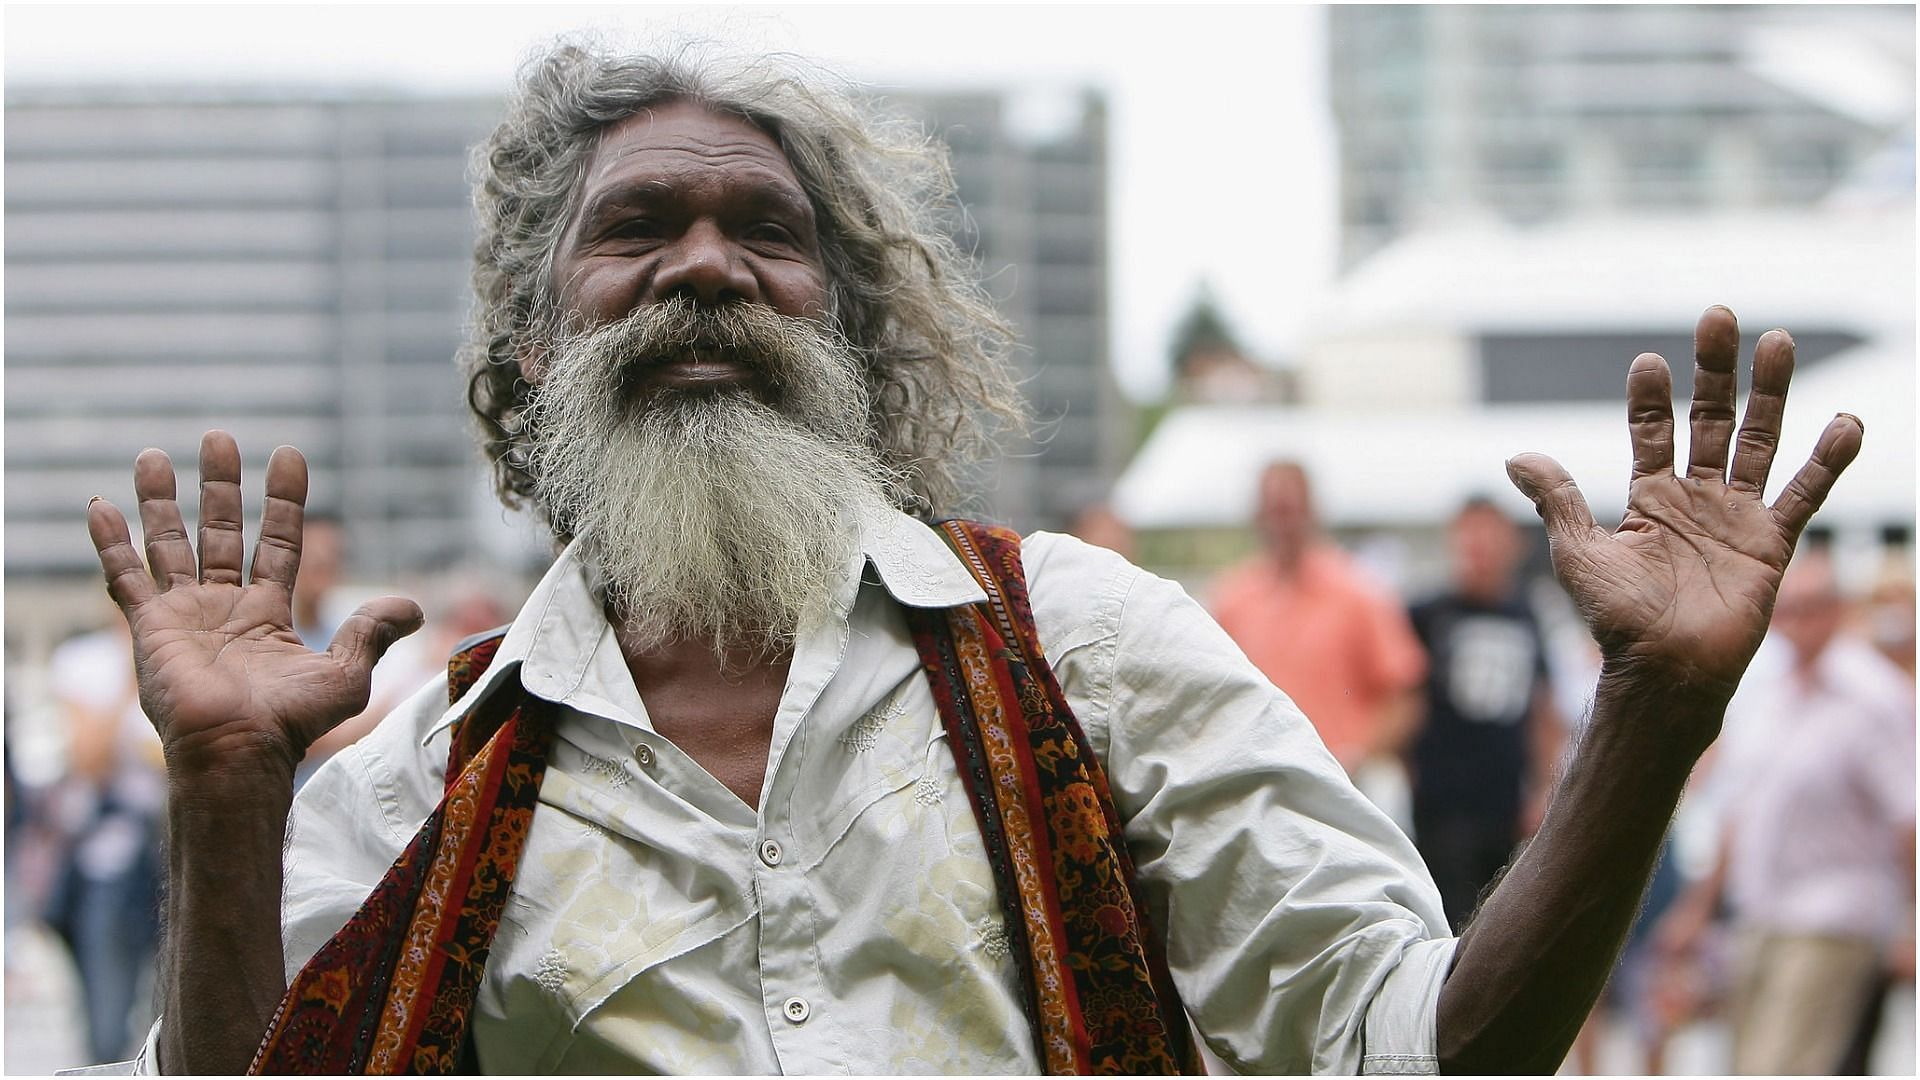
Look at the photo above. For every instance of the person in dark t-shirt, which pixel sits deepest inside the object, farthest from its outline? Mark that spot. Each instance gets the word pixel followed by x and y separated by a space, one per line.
pixel 1482 761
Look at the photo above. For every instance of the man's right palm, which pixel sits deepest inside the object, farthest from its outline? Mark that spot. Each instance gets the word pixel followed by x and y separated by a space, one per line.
pixel 222 674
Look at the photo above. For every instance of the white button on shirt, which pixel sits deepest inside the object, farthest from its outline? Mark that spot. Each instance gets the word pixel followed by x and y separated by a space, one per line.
pixel 851 925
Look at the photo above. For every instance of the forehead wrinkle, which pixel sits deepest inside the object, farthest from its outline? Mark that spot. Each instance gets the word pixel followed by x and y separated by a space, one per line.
pixel 735 135
pixel 699 137
pixel 610 189
pixel 666 168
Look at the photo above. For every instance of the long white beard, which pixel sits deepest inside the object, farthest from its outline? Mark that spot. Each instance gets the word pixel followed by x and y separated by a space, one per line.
pixel 708 516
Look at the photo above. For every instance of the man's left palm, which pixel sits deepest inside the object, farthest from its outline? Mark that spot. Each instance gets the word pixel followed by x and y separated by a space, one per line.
pixel 1685 585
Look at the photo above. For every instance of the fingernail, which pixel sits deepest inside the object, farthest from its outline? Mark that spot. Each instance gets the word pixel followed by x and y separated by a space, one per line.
pixel 1857 422
pixel 93 500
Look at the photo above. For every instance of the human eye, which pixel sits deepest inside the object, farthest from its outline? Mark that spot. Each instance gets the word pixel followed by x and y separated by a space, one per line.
pixel 770 232
pixel 637 227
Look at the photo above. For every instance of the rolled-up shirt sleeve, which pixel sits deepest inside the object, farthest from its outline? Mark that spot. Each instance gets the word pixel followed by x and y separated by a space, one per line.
pixel 1302 928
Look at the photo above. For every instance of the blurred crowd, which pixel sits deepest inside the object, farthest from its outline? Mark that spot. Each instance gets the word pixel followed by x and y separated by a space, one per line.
pixel 84 829
pixel 1781 908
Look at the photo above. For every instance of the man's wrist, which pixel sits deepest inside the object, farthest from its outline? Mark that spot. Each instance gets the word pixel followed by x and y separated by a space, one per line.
pixel 1682 685
pixel 1657 708
pixel 243 760
pixel 1635 756
pixel 234 783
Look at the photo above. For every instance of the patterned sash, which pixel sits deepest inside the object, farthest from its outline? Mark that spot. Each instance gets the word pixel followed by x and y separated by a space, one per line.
pixel 1097 988
pixel 393 991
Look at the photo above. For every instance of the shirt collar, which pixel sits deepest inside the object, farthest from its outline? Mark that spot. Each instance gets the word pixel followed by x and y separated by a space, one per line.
pixel 559 633
pixel 915 565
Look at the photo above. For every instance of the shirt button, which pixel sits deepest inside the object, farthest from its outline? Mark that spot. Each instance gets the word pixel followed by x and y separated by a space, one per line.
pixel 797 1010
pixel 644 754
pixel 770 854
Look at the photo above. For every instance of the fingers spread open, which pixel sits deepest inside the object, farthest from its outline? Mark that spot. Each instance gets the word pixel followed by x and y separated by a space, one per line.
pixel 221 543
pixel 127 580
pixel 363 639
pixel 169 552
pixel 1760 432
pixel 1650 415
pixel 1832 453
pixel 1554 495
pixel 1716 355
pixel 276 558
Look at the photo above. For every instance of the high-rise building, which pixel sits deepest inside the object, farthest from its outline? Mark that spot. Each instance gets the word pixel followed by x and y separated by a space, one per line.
pixel 1036 200
pixel 1532 112
pixel 293 266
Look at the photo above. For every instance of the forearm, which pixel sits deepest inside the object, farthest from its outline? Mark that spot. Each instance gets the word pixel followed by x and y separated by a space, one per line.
pixel 221 966
pixel 1537 954
pixel 1546 739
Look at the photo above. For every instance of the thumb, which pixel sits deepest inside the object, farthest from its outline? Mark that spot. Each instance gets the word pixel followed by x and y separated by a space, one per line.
pixel 1554 494
pixel 363 639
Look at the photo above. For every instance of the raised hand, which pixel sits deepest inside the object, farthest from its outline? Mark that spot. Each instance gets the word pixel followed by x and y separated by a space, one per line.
pixel 222 674
pixel 1678 598
pixel 1684 587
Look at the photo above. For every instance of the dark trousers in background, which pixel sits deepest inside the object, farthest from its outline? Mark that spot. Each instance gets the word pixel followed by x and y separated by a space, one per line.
pixel 1464 852
pixel 114 944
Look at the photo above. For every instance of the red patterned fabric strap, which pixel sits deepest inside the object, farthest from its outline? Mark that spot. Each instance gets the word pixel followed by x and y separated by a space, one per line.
pixel 1116 1010
pixel 393 991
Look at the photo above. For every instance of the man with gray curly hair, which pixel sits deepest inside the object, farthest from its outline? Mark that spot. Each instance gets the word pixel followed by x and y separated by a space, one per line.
pixel 781 770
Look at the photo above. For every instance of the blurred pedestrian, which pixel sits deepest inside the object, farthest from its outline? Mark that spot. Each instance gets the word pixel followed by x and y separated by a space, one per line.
pixel 1098 525
pixel 317 613
pixel 323 557
pixel 466 602
pixel 1335 641
pixel 1888 617
pixel 1488 736
pixel 105 899
pixel 1816 861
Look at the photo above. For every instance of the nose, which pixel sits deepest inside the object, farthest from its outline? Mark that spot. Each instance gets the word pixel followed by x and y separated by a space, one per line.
pixel 705 265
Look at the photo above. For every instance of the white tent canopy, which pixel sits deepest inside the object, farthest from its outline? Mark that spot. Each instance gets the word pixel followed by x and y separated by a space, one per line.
pixel 1412 468
pixel 1789 268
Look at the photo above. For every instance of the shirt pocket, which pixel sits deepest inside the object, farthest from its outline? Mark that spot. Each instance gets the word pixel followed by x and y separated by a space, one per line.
pixel 593 907
pixel 884 759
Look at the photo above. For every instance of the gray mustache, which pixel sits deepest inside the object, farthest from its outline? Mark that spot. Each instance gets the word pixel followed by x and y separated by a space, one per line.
pixel 677 330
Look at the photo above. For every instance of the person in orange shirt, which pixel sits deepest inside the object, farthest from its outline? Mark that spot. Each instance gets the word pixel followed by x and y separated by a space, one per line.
pixel 1311 620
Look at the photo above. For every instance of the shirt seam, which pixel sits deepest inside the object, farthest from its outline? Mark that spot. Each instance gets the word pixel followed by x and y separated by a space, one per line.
pixel 1100 692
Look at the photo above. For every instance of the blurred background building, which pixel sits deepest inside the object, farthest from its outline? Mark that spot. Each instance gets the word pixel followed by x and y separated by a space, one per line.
pixel 1532 195
pixel 293 267
pixel 1031 169
pixel 1531 113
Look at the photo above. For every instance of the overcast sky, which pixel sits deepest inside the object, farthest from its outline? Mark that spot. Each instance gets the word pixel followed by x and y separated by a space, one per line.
pixel 1222 152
